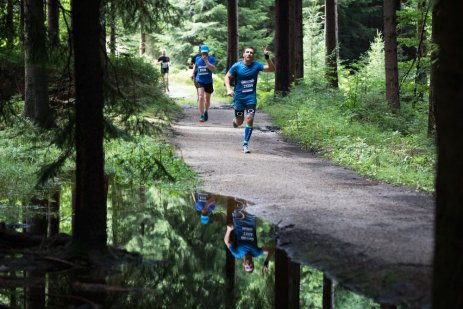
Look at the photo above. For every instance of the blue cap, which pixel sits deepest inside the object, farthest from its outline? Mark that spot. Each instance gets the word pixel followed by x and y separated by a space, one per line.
pixel 204 49
pixel 204 219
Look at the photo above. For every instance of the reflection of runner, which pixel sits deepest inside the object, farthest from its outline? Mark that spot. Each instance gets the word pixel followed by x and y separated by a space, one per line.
pixel 244 245
pixel 164 61
pixel 204 203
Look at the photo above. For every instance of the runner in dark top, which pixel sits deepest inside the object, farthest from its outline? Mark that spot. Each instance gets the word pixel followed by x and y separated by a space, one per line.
pixel 164 61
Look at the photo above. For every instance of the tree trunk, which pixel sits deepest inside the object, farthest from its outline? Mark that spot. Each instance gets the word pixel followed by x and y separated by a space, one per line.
pixel 331 42
pixel 390 52
pixel 283 73
pixel 142 43
pixel 421 78
pixel 54 218
pixel 112 27
pixel 298 43
pixel 35 62
pixel 448 94
pixel 89 232
pixel 432 101
pixel 9 24
pixel 292 40
pixel 232 18
pixel 328 293
pixel 53 22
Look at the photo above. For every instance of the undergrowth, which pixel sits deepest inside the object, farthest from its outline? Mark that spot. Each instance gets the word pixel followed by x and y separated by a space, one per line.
pixel 389 147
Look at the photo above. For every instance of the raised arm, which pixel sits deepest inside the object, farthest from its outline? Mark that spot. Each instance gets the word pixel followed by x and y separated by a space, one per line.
pixel 270 67
pixel 269 251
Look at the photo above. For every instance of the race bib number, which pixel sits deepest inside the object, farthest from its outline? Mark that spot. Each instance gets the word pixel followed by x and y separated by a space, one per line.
pixel 202 70
pixel 247 85
pixel 248 234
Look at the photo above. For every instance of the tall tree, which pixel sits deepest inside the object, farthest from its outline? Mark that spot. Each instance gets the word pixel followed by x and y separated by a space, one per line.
pixel 448 93
pixel 9 24
pixel 35 64
pixel 89 230
pixel 432 100
pixel 283 72
pixel 331 42
pixel 390 52
pixel 298 40
pixel 232 18
pixel 53 22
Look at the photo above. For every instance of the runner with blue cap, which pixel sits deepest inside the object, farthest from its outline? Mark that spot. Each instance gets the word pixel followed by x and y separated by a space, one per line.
pixel 203 68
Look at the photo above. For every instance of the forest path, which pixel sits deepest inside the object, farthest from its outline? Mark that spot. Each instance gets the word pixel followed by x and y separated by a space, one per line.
pixel 372 237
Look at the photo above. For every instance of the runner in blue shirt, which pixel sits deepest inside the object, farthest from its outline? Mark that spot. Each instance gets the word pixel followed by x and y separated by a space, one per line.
pixel 244 94
pixel 244 245
pixel 203 68
pixel 205 204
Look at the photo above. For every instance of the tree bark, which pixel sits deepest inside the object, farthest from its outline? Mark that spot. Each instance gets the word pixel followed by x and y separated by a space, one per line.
pixel 89 230
pixel 142 43
pixel 9 24
pixel 328 293
pixel 53 22
pixel 331 42
pixel 390 52
pixel 35 62
pixel 448 94
pixel 298 43
pixel 283 72
pixel 232 18
pixel 432 100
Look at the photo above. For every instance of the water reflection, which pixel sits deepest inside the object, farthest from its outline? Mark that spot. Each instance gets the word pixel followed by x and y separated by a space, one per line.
pixel 173 260
pixel 204 204
pixel 241 239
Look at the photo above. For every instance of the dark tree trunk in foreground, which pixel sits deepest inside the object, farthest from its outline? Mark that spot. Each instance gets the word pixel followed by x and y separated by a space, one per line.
pixel 283 68
pixel 232 17
pixel 448 93
pixel 390 52
pixel 35 64
pixel 89 232
pixel 331 42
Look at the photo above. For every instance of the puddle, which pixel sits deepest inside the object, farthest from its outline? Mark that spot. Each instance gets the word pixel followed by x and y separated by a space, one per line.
pixel 184 261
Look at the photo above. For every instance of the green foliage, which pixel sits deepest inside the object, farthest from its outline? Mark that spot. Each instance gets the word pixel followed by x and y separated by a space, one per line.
pixel 311 293
pixel 344 298
pixel 147 161
pixel 204 22
pixel 358 22
pixel 314 45
pixel 318 121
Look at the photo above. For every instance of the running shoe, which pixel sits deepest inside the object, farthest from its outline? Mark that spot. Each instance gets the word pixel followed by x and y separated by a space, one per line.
pixel 201 119
pixel 246 149
pixel 234 123
pixel 206 116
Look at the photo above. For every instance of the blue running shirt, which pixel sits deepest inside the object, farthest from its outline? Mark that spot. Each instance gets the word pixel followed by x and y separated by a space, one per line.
pixel 245 236
pixel 204 75
pixel 245 82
